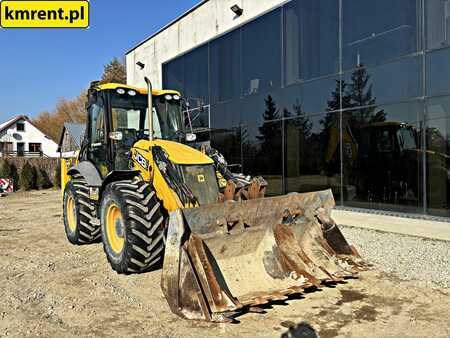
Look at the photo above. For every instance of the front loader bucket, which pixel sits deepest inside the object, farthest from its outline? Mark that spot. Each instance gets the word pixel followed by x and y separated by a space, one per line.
pixel 226 258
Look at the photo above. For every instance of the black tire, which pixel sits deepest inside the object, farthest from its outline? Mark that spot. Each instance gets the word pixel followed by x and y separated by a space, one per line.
pixel 142 227
pixel 86 229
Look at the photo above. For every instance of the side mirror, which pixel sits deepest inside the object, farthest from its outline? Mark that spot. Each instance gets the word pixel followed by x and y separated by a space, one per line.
pixel 116 135
pixel 191 137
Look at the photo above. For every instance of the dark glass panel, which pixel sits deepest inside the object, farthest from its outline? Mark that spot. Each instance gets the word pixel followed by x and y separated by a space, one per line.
pixel 261 139
pixel 383 158
pixel 258 109
pixel 226 132
pixel 228 142
pixel 263 154
pixel 173 75
pixel 438 159
pixel 261 54
pixel 390 82
pixel 196 78
pixel 438 72
pixel 312 153
pixel 376 31
pixel 225 66
pixel 312 97
pixel 311 39
pixel 438 23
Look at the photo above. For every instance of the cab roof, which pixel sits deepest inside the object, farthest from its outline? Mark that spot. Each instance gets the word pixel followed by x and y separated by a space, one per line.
pixel 155 92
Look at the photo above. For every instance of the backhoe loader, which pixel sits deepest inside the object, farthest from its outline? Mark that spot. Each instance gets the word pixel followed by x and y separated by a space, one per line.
pixel 153 200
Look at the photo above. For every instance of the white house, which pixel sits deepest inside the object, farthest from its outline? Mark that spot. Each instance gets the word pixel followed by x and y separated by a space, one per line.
pixel 19 137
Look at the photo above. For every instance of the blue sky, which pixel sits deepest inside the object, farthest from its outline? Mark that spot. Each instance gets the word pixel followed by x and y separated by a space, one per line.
pixel 38 66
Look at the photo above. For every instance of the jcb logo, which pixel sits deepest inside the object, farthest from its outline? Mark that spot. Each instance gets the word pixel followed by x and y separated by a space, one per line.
pixel 141 160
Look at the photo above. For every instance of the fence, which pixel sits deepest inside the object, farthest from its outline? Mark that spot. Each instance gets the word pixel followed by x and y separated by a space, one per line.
pixel 28 154
pixel 47 165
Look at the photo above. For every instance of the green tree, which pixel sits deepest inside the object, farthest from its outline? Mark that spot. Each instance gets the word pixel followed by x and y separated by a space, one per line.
pixel 269 130
pixel 115 71
pixel 57 176
pixel 269 157
pixel 43 181
pixel 5 169
pixel 361 95
pixel 28 177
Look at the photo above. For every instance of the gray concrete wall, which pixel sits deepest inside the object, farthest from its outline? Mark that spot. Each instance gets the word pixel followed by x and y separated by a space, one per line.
pixel 208 21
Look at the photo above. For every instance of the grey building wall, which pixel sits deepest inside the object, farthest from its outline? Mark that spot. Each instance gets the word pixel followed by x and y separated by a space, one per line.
pixel 210 19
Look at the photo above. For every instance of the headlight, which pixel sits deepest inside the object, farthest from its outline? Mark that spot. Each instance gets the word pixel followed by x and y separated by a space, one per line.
pixel 168 97
pixel 176 97
pixel 120 91
pixel 131 93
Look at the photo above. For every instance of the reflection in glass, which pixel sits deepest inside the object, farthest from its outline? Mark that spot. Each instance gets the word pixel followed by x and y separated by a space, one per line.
pixel 382 160
pixel 225 62
pixel 173 74
pixel 228 142
pixel 311 39
pixel 196 78
pixel 438 70
pixel 438 159
pixel 376 31
pixel 389 82
pixel 312 152
pixel 226 132
pixel 313 96
pixel 261 54
pixel 438 23
pixel 261 135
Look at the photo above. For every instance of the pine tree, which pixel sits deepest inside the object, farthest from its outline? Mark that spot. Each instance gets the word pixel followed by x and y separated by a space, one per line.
pixel 269 130
pixel 361 95
pixel 331 119
pixel 269 156
pixel 5 169
pixel 14 176
pixel 301 120
pixel 57 176
pixel 115 71
pixel 28 177
pixel 43 181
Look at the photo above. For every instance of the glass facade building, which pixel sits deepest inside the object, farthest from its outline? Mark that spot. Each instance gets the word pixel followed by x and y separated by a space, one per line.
pixel 352 95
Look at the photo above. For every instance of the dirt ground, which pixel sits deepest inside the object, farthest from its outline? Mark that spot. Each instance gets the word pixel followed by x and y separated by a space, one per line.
pixel 53 289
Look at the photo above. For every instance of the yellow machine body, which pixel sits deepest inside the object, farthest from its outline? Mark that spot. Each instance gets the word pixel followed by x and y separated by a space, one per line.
pixel 223 254
pixel 179 154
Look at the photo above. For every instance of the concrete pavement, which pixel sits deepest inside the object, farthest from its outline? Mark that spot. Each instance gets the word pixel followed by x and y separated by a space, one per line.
pixel 400 225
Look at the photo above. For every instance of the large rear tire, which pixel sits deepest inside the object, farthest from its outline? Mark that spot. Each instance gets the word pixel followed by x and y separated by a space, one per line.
pixel 133 224
pixel 80 214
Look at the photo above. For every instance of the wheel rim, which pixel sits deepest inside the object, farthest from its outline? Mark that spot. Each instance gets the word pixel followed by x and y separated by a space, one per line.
pixel 71 213
pixel 115 230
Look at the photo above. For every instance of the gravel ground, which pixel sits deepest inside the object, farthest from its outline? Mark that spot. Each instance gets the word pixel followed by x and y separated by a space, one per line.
pixel 50 288
pixel 407 257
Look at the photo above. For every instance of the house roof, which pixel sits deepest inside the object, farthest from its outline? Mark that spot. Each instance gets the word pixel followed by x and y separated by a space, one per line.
pixel 9 123
pixel 76 131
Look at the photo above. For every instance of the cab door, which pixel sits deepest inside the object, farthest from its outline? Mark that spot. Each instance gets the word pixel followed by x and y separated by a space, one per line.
pixel 98 137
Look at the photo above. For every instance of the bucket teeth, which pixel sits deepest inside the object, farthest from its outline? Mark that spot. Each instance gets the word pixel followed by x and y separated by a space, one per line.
pixel 282 246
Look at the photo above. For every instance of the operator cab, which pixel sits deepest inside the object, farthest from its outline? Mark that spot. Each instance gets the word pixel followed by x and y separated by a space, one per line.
pixel 118 118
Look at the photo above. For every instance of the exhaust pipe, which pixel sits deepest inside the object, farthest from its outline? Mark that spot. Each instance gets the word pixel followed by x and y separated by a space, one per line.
pixel 150 107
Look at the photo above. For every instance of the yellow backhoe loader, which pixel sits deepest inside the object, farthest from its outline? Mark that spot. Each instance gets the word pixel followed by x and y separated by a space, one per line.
pixel 153 200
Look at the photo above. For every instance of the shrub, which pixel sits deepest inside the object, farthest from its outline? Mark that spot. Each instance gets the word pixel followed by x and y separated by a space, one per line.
pixel 5 169
pixel 57 176
pixel 28 177
pixel 43 181
pixel 14 176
